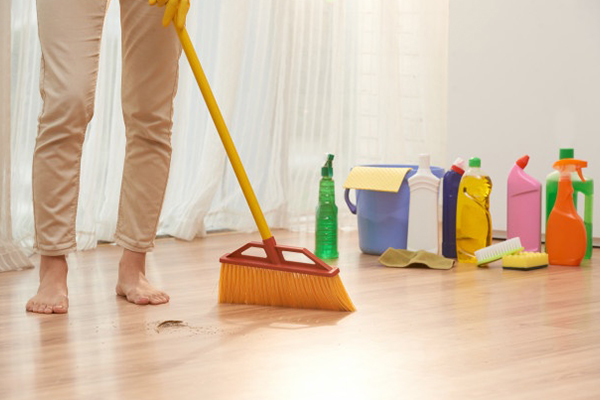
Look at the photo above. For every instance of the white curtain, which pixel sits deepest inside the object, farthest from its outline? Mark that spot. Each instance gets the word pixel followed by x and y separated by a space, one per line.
pixel 11 256
pixel 363 79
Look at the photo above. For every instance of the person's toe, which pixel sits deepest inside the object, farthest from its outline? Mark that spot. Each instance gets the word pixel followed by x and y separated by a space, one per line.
pixel 141 300
pixel 48 309
pixel 158 299
pixel 59 308
pixel 29 306
pixel 38 307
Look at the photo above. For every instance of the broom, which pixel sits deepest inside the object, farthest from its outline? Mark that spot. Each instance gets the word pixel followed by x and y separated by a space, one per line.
pixel 271 280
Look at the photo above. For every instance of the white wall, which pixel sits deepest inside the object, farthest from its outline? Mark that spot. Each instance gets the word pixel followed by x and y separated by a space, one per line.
pixel 524 78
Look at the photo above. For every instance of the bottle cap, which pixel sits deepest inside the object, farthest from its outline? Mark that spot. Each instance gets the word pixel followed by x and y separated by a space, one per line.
pixel 475 162
pixel 458 166
pixel 566 153
pixel 424 161
pixel 327 169
pixel 523 161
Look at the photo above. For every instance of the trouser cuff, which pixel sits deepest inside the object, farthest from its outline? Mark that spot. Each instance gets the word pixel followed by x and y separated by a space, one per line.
pixel 133 245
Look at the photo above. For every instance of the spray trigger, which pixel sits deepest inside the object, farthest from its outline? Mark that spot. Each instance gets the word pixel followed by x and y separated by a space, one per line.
pixel 580 174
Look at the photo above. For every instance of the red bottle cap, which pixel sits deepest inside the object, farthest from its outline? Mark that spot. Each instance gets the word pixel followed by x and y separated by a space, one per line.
pixel 457 169
pixel 523 161
pixel 458 166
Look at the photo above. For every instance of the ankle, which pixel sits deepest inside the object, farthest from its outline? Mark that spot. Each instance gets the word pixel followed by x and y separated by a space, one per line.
pixel 132 263
pixel 53 274
pixel 56 265
pixel 53 259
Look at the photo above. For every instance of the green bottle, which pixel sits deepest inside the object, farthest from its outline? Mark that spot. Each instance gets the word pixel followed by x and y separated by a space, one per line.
pixel 587 188
pixel 326 232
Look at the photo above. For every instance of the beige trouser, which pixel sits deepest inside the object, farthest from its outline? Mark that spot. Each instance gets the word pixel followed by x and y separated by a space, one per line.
pixel 70 33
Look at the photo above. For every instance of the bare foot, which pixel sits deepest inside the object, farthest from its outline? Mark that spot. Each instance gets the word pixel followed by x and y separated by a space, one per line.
pixel 133 284
pixel 52 295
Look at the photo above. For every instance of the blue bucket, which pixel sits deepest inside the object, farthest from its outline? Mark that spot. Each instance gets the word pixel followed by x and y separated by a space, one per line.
pixel 383 216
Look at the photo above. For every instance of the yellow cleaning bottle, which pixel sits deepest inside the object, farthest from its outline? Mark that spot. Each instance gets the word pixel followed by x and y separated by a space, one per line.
pixel 473 219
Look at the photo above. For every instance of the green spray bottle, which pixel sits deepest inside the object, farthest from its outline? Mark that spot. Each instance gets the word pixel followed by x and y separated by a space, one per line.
pixel 585 187
pixel 327 211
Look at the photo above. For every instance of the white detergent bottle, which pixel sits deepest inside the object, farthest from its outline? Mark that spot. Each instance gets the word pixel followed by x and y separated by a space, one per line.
pixel 423 229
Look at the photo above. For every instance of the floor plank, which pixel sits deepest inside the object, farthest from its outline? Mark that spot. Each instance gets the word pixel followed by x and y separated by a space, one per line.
pixel 468 332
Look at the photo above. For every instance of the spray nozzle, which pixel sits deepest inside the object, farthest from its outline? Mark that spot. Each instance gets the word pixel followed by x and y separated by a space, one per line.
pixel 327 170
pixel 571 165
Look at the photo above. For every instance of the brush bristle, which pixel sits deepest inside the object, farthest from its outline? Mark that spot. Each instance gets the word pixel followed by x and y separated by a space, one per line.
pixel 498 250
pixel 249 285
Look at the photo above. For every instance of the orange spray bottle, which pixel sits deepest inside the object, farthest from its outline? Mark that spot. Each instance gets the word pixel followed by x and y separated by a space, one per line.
pixel 566 237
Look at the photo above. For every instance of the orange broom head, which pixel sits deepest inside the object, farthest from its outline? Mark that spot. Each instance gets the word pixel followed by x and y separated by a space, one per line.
pixel 274 281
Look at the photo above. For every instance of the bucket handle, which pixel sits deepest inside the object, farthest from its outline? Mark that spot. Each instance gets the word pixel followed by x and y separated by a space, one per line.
pixel 351 206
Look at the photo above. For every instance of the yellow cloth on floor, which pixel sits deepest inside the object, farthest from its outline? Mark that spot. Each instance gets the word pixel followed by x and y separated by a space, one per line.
pixel 404 258
pixel 380 179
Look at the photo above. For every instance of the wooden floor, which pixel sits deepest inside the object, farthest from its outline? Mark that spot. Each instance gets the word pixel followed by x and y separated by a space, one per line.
pixel 466 333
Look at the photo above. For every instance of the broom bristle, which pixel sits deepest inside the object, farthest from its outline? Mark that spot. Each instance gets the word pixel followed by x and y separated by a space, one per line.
pixel 249 285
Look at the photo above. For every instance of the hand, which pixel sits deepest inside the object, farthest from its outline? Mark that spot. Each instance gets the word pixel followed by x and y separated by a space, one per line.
pixel 175 11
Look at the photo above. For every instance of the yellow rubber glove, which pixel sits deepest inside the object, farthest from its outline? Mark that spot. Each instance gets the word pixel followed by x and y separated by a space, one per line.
pixel 175 11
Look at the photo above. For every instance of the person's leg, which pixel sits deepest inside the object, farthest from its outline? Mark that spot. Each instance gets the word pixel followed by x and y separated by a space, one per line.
pixel 69 32
pixel 150 69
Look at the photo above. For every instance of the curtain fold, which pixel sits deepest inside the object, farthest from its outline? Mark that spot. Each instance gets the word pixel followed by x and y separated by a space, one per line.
pixel 11 255
pixel 365 80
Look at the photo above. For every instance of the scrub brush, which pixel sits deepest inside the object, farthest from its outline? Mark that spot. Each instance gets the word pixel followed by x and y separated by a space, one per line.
pixel 525 261
pixel 498 250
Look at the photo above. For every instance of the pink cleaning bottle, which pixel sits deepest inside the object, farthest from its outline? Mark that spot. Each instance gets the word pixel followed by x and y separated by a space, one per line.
pixel 524 207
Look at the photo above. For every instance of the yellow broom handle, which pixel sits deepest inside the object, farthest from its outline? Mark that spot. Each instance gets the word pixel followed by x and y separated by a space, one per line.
pixel 232 153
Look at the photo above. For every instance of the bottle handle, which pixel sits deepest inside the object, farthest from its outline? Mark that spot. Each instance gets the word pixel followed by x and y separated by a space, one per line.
pixel 589 204
pixel 351 206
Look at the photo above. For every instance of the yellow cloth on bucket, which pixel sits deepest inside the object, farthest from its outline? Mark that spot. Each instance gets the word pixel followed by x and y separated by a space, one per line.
pixel 380 179
pixel 404 258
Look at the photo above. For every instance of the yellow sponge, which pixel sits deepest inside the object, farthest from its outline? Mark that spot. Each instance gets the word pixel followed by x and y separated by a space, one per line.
pixel 525 261
pixel 375 178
